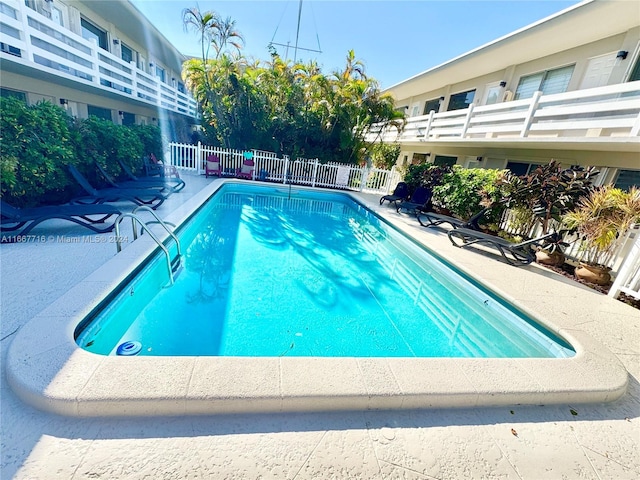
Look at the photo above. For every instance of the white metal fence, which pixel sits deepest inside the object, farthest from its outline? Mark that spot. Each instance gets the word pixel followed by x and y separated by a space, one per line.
pixel 301 171
pixel 628 279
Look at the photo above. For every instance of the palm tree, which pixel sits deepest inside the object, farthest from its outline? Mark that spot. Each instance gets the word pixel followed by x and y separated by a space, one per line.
pixel 206 24
pixel 226 33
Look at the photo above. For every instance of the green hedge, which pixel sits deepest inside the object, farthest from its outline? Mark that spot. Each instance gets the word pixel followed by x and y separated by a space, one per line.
pixel 37 141
pixel 466 191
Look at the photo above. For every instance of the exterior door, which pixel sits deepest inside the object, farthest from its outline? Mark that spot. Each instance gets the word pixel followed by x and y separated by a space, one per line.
pixel 598 71
pixel 60 14
pixel 492 94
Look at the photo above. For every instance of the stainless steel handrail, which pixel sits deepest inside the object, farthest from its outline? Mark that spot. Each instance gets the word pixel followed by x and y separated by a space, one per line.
pixel 158 220
pixel 144 226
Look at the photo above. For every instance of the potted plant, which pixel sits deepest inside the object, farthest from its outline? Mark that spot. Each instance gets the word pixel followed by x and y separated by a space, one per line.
pixel 548 192
pixel 600 219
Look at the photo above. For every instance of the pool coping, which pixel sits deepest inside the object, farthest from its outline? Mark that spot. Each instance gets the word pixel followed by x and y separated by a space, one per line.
pixel 52 373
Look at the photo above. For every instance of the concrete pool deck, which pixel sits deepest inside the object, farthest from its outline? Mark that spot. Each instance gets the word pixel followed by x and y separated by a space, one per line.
pixel 364 444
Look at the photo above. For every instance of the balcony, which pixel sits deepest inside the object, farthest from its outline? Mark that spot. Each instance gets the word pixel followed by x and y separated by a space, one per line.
pixel 603 118
pixel 29 40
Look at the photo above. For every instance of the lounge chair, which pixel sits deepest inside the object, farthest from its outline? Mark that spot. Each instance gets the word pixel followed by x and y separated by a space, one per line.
pixel 248 166
pixel 175 184
pixel 158 186
pixel 150 198
pixel 213 166
pixel 153 166
pixel 400 193
pixel 431 219
pixel 419 201
pixel 514 253
pixel 14 218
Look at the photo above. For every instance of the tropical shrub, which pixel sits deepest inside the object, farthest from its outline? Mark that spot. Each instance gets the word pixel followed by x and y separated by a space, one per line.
pixel 36 140
pixel 466 191
pixel 102 141
pixel 39 140
pixel 384 155
pixel 600 218
pixel 151 138
pixel 277 105
pixel 425 175
pixel 549 191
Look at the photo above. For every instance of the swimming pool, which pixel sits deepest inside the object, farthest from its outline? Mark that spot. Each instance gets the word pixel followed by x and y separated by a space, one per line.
pixel 273 272
pixel 47 369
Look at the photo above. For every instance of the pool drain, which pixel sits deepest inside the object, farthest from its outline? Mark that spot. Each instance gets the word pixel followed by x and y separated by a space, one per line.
pixel 129 348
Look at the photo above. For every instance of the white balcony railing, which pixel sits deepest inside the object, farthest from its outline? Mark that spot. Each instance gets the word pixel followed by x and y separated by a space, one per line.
pixel 612 112
pixel 31 39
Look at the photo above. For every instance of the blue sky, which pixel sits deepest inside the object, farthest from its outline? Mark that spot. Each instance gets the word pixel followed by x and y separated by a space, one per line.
pixel 395 39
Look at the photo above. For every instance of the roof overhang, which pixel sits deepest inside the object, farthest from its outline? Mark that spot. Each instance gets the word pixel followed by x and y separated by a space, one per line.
pixel 578 25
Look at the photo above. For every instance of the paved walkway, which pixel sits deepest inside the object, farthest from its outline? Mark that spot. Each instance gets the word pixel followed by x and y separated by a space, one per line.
pixel 598 441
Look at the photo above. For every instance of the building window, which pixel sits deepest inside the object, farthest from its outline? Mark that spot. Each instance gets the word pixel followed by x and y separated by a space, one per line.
pixel 181 87
pixel 635 72
pixel 443 160
pixel 419 158
pixel 431 105
pixel 126 53
pixel 91 32
pixel 6 93
pixel 160 73
pixel 460 101
pixel 7 10
pixel 627 179
pixel 521 168
pixel 128 119
pixel 99 112
pixel 10 49
pixel 548 82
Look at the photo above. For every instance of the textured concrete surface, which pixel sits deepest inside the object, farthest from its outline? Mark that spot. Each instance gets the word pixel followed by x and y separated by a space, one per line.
pixel 561 441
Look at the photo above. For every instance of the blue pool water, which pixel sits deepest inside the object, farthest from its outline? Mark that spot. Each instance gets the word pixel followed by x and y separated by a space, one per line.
pixel 269 273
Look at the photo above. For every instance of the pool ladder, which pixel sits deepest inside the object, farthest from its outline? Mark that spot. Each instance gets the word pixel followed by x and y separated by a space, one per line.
pixel 173 265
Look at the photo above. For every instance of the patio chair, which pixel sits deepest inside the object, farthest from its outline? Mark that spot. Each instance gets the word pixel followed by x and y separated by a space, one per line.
pixel 14 219
pixel 431 219
pixel 517 254
pixel 150 198
pixel 158 186
pixel 248 166
pixel 153 166
pixel 175 184
pixel 420 201
pixel 400 193
pixel 213 166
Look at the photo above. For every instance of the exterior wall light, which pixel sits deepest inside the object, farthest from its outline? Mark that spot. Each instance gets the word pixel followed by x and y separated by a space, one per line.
pixel 64 101
pixel 116 41
pixel 622 54
pixel 503 83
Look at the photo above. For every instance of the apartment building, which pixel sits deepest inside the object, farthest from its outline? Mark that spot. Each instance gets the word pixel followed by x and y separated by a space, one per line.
pixel 94 57
pixel 566 87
